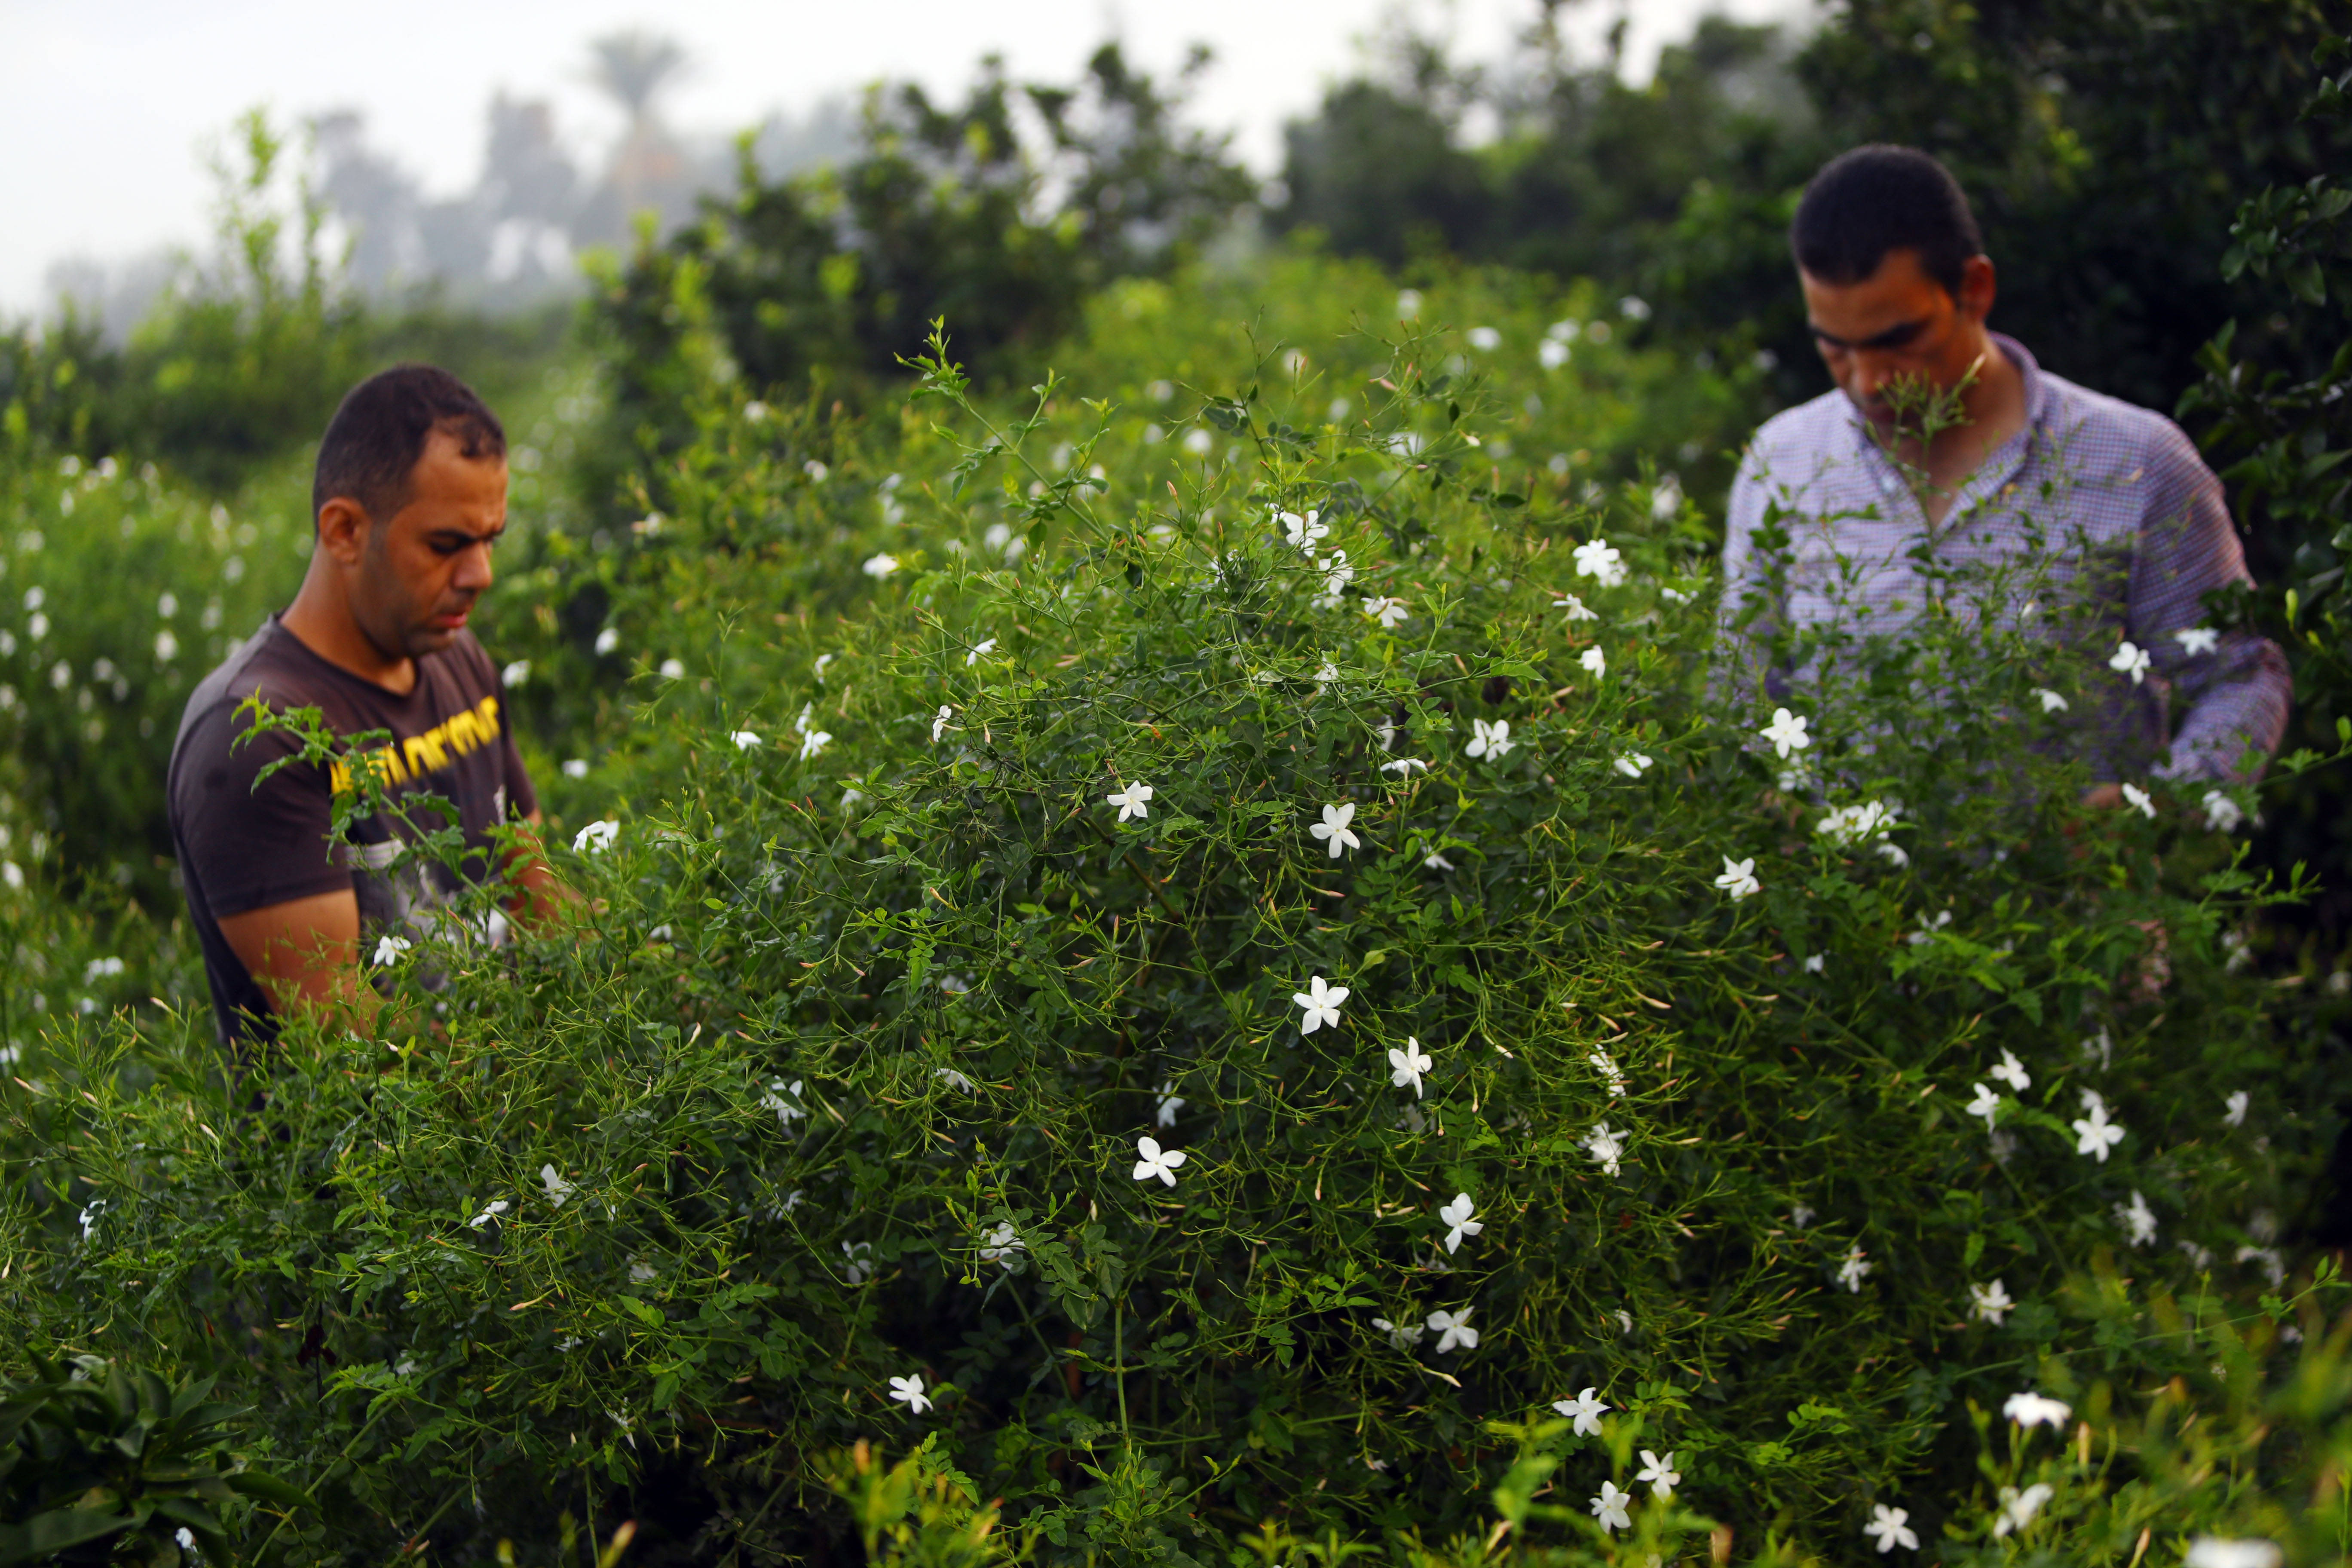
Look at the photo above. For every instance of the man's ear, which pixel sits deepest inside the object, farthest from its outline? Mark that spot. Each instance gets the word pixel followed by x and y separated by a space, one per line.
pixel 343 526
pixel 1978 286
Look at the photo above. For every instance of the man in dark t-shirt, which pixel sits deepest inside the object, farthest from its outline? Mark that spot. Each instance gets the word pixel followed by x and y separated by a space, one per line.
pixel 409 496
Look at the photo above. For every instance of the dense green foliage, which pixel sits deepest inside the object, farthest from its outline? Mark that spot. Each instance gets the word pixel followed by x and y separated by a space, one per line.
pixel 843 1080
pixel 99 1465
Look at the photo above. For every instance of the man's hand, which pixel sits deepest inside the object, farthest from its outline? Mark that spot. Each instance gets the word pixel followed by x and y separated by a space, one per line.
pixel 540 895
pixel 304 953
pixel 2104 797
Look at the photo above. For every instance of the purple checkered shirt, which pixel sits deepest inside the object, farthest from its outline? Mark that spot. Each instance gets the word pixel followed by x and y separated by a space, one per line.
pixel 2118 483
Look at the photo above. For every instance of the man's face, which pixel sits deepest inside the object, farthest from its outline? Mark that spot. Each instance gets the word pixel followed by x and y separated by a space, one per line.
pixel 1898 325
pixel 425 565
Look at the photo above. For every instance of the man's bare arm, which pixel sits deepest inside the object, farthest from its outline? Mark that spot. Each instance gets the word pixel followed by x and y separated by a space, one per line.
pixel 304 953
pixel 540 895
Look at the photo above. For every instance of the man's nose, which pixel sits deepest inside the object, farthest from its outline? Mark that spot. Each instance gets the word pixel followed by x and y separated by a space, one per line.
pixel 473 573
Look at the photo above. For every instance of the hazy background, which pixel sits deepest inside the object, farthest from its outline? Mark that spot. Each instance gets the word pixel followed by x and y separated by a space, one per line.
pixel 113 106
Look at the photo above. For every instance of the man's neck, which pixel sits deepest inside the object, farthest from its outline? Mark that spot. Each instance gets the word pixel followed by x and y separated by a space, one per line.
pixel 322 621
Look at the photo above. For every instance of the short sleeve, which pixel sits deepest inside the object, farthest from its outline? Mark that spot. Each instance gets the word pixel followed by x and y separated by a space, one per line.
pixel 251 842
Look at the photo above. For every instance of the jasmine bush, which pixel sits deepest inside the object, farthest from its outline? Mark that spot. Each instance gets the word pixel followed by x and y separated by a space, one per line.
pixel 1255 1001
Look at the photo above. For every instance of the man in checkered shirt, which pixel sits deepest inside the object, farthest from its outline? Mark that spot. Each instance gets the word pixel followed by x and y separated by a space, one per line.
pixel 2115 497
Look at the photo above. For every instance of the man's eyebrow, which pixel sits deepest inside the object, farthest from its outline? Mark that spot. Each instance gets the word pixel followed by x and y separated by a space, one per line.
pixel 467 535
pixel 1894 337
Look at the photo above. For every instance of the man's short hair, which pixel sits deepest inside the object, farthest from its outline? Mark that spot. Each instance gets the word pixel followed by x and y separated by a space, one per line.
pixel 1874 199
pixel 378 431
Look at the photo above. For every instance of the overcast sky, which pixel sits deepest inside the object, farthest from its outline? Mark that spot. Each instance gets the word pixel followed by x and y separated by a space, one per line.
pixel 106 105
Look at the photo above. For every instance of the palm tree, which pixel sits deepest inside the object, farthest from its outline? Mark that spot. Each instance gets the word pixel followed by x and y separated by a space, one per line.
pixel 632 67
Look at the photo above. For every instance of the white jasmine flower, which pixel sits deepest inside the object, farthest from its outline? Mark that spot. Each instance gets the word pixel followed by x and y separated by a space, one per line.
pixel 1170 1102
pixel 2099 1047
pixel 1632 765
pixel 1390 613
pixel 986 644
pixel 788 1111
pixel 1987 1104
pixel 1153 1161
pixel 1404 766
pixel 1801 1216
pixel 1851 1272
pixel 1574 609
pixel 1609 1508
pixel 1337 575
pixel 1606 1065
pixel 673 669
pixel 1485 339
pixel 2273 1265
pixel 1454 1331
pixel 2130 659
pixel 1435 860
pixel 167 647
pixel 1786 733
pixel 1003 1246
pixel 2031 1409
pixel 1134 801
pixel 1551 353
pixel 2137 1218
pixel 949 1076
pixel 596 836
pixel 1816 962
pixel 1302 531
pixel 2018 1509
pixel 1408 304
pixel 1738 877
pixel 1586 1410
pixel 388 950
pixel 1492 742
pixel 2213 1551
pixel 1658 1471
pixel 1850 825
pixel 2013 1072
pixel 2222 815
pixel 1606 1145
pixel 908 1392
pixel 1199 442
pixel 2237 1102
pixel 859 1266
pixel 1887 1524
pixel 558 1189
pixel 2194 640
pixel 37 627
pixel 608 639
pixel 880 566
pixel 2139 800
pixel 1406 1066
pixel 1989 1303
pixel 576 768
pixel 939 723
pixel 2095 1135
pixel 490 1211
pixel 1403 1336
pixel 745 740
pixel 1456 1216
pixel 1333 829
pixel 1599 559
pixel 1594 660
pixel 813 742
pixel 1321 1001
pixel 2050 701
pixel 514 674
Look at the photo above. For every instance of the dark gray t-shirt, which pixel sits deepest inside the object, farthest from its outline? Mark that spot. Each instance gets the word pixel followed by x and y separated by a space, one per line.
pixel 245 847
